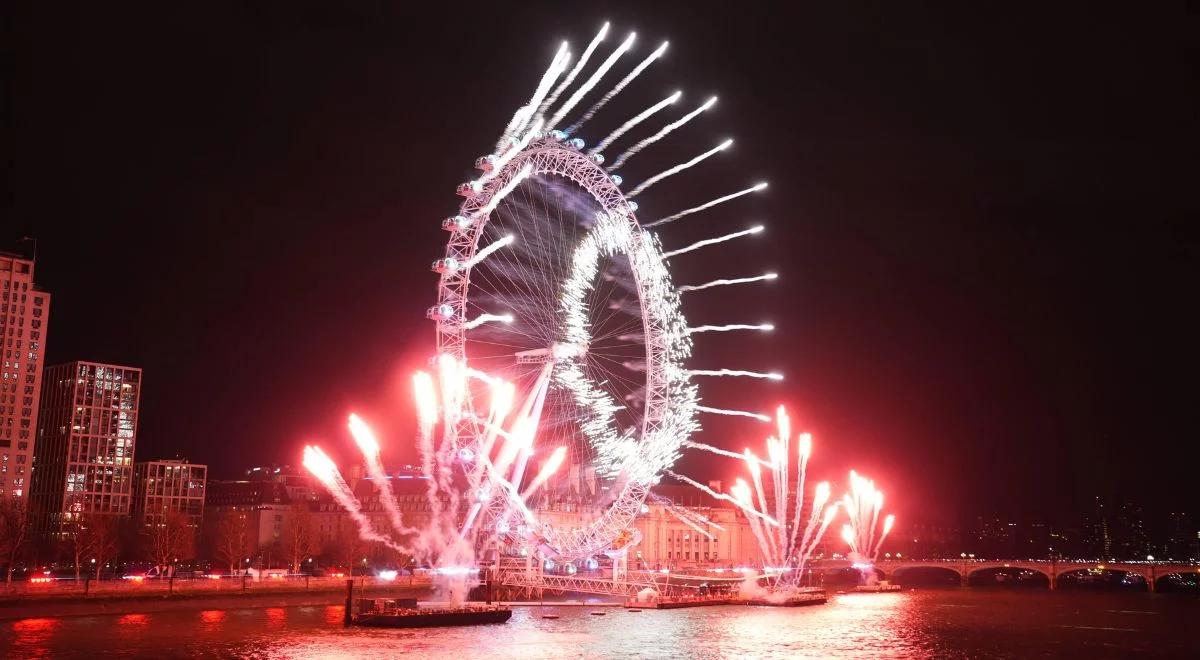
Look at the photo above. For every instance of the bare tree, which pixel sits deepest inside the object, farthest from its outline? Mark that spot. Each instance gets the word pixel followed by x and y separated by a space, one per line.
pixel 232 539
pixel 76 545
pixel 168 540
pixel 348 548
pixel 298 541
pixel 103 538
pixel 14 532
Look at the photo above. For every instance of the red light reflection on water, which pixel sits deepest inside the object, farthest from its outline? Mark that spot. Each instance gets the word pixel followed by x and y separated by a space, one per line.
pixel 276 617
pixel 334 614
pixel 134 620
pixel 30 634
pixel 212 617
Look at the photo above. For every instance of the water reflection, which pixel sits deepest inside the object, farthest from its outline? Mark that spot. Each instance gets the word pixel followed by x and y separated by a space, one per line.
pixel 31 637
pixel 276 617
pixel 133 620
pixel 954 623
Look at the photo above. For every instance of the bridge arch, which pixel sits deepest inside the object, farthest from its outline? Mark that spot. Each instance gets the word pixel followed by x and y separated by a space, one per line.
pixel 925 574
pixel 1105 577
pixel 1009 574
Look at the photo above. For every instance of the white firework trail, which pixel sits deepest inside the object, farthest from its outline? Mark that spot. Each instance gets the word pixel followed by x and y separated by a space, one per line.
pixel 484 318
pixel 735 372
pixel 326 471
pixel 706 205
pixel 587 86
pixel 617 90
pixel 719 451
pixel 483 254
pixel 629 153
pixel 726 282
pixel 501 160
pixel 365 438
pixel 721 496
pixel 670 506
pixel 583 60
pixel 523 114
pixel 763 327
pixel 713 241
pixel 629 125
pixel 504 192
pixel 736 413
pixel 688 522
pixel 679 168
pixel 756 473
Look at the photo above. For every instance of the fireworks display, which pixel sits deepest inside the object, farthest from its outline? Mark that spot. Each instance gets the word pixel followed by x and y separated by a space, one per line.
pixel 562 352
pixel 863 504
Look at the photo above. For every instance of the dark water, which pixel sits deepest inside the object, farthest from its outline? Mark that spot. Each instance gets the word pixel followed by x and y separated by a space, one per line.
pixel 918 624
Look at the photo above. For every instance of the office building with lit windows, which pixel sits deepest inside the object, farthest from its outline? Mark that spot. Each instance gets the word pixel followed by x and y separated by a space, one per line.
pixel 24 313
pixel 87 431
pixel 161 488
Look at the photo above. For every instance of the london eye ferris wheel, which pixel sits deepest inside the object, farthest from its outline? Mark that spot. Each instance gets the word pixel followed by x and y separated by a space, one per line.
pixel 552 284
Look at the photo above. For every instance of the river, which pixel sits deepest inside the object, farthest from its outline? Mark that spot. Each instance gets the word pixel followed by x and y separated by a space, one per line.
pixel 950 623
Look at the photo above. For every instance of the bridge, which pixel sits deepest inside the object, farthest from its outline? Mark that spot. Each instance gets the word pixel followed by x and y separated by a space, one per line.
pixel 1150 571
pixel 527 578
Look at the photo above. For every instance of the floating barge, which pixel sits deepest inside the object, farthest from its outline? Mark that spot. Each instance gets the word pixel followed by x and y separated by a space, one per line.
pixel 882 587
pixel 431 617
pixel 678 604
pixel 800 600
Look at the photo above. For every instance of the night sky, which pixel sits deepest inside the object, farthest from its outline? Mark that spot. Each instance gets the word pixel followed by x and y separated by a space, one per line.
pixel 984 223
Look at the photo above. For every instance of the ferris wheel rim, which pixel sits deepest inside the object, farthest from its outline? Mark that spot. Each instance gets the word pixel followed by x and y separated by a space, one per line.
pixel 552 156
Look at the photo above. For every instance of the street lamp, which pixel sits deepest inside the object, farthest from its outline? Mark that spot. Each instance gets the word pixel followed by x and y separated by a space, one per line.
pixel 963 555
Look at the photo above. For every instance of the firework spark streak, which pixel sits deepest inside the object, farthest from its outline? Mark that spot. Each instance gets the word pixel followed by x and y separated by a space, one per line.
pixel 629 125
pixel 500 161
pixel 326 471
pixel 734 372
pixel 587 86
pixel 525 112
pixel 551 466
pixel 718 450
pixel 617 90
pixel 365 438
pixel 583 60
pixel 632 151
pixel 735 413
pixel 721 496
pixel 727 282
pixel 757 229
pixel 484 318
pixel 763 327
pixel 678 168
pixel 482 254
pixel 706 205
pixel 504 192
pixel 863 504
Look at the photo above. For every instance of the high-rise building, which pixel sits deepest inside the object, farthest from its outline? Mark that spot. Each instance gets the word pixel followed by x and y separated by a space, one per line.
pixel 24 313
pixel 87 430
pixel 161 488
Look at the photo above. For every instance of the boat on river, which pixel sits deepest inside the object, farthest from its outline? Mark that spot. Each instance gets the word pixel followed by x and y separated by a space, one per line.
pixel 431 617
